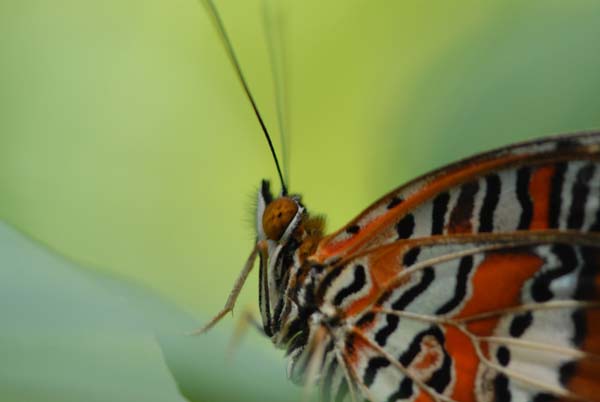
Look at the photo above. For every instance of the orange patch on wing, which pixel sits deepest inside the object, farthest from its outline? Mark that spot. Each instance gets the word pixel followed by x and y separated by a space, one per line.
pixel 497 285
pixel 465 365
pixel 585 381
pixel 591 342
pixel 432 354
pixel 384 267
pixel 359 305
pixel 539 191
pixel 483 327
pixel 352 354
pixel 463 226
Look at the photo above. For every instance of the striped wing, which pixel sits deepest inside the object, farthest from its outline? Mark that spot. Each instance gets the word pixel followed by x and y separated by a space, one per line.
pixel 544 184
pixel 489 318
pixel 478 281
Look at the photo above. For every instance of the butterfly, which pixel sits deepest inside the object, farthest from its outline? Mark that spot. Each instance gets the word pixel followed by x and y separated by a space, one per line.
pixel 479 281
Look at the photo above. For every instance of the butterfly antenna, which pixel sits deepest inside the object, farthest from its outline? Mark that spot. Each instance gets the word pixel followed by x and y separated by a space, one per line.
pixel 273 24
pixel 212 11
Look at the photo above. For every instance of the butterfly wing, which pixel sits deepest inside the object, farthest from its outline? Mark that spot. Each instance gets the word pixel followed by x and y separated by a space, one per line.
pixel 463 318
pixel 478 281
pixel 549 183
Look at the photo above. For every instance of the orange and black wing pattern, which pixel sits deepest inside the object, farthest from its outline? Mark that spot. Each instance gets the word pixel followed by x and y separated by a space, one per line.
pixel 544 184
pixel 477 282
pixel 468 318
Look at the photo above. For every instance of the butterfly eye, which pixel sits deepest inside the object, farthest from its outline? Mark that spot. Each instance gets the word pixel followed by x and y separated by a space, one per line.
pixel 277 217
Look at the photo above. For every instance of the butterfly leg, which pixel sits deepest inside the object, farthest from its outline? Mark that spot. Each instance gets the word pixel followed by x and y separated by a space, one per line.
pixel 351 378
pixel 235 292
pixel 315 360
pixel 349 374
pixel 244 323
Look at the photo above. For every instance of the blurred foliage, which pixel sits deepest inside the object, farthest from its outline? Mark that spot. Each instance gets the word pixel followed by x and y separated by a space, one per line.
pixel 73 334
pixel 126 141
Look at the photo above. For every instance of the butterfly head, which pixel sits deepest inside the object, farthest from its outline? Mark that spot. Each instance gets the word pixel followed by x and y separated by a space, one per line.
pixel 277 219
pixel 286 236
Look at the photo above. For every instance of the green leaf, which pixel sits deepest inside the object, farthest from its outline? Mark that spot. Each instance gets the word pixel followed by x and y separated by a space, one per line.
pixel 71 335
pixel 65 338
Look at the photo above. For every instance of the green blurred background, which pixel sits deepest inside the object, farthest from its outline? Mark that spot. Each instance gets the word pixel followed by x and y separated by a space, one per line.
pixel 126 142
